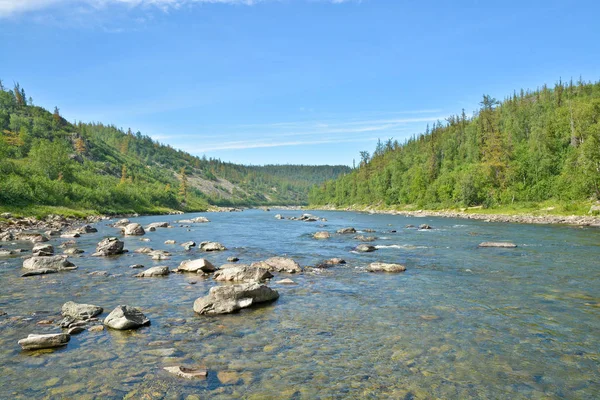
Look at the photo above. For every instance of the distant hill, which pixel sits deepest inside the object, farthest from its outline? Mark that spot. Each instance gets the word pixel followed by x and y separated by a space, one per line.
pixel 533 148
pixel 46 161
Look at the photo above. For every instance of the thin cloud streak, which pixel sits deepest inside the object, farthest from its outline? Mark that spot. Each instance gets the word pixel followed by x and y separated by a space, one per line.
pixel 244 145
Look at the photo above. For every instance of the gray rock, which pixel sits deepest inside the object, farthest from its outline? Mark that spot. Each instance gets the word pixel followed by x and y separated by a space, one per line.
pixel 133 229
pixel 363 238
pixel 158 225
pixel 322 235
pixel 505 245
pixel 6 253
pixel 233 259
pixel 32 237
pixel 242 273
pixel 331 262
pixel 188 245
pixel 385 267
pixel 136 266
pixel 170 241
pixel 73 251
pixel 109 247
pixel 279 216
pixel 346 230
pixel 198 266
pixel 144 250
pixel 80 311
pixel 43 249
pixel 425 227
pixel 86 229
pixel 52 232
pixel 41 271
pixel 75 330
pixel 6 237
pixel 58 263
pixel 70 235
pixel 286 281
pixel 365 248
pixel 200 220
pixel 212 246
pixel 281 264
pixel 126 317
pixel 49 341
pixel 122 222
pixel 232 298
pixel 154 271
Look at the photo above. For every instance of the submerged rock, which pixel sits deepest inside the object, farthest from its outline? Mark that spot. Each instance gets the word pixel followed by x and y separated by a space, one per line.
pixel 363 238
pixel 72 251
pixel 229 299
pixel 109 247
pixel 126 317
pixel 279 216
pixel 322 235
pixel 170 241
pixel 144 250
pixel 48 341
pixel 331 262
pixel 80 311
pixel 286 281
pixel 365 248
pixel 133 229
pixel 32 237
pixel 385 267
pixel 232 259
pixel 198 266
pixel 346 230
pixel 187 373
pixel 242 273
pixel 154 271
pixel 157 225
pixel 425 227
pixel 506 245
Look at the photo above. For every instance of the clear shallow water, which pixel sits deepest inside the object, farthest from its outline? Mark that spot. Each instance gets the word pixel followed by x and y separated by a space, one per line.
pixel 461 322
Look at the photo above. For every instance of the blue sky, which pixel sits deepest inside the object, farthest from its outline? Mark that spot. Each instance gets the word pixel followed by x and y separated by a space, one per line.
pixel 288 81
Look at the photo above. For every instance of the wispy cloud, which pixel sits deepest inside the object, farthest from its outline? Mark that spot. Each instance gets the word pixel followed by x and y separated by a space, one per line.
pixel 14 7
pixel 245 145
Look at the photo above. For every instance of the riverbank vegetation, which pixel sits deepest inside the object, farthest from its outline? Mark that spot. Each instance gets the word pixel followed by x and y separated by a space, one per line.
pixel 534 150
pixel 48 164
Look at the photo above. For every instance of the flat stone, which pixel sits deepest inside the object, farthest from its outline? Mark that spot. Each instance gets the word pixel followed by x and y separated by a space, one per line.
pixel 365 248
pixel 187 372
pixel 505 245
pixel 48 341
pixel 80 311
pixel 154 271
pixel 286 281
pixel 385 267
pixel 232 298
pixel 126 317
pixel 197 266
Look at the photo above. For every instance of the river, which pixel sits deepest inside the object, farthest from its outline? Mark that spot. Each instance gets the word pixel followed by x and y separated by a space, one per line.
pixel 461 322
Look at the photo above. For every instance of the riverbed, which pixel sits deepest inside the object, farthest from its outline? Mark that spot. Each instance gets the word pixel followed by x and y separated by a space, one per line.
pixel 461 322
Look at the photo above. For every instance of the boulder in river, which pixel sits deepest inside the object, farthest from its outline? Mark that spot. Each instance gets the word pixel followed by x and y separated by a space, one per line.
pixel 126 317
pixel 32 237
pixel 425 227
pixel 281 264
pixel 200 220
pixel 133 229
pixel 72 251
pixel 232 259
pixel 505 245
pixel 198 266
pixel 331 262
pixel 170 241
pixel 212 246
pixel 363 238
pixel 279 216
pixel 346 230
pixel 144 250
pixel 232 298
pixel 322 235
pixel 154 271
pixel 365 248
pixel 86 229
pixel 48 341
pixel 385 267
pixel 188 245
pixel 57 263
pixel 122 222
pixel 109 247
pixel 80 311
pixel 6 237
pixel 242 273
pixel 43 249
pixel 157 225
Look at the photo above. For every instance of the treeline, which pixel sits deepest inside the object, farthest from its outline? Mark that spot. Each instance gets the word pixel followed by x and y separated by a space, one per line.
pixel 47 161
pixel 532 147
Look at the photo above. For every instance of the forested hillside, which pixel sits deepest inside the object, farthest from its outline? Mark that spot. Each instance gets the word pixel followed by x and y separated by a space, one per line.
pixel 533 147
pixel 48 161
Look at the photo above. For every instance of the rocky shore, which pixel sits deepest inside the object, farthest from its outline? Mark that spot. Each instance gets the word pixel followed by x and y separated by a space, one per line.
pixel 580 220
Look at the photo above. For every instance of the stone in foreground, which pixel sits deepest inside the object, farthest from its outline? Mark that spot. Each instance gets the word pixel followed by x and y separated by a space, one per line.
pixel 49 341
pixel 229 299
pixel 126 317
pixel 386 267
pixel 154 271
pixel 322 235
pixel 242 273
pixel 43 249
pixel 80 311
pixel 504 245
pixel 198 266
pixel 187 373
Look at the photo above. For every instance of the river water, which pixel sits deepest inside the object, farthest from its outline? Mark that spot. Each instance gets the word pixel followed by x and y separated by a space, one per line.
pixel 461 322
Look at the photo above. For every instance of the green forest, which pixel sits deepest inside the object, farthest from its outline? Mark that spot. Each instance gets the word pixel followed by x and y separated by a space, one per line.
pixel 533 149
pixel 50 165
